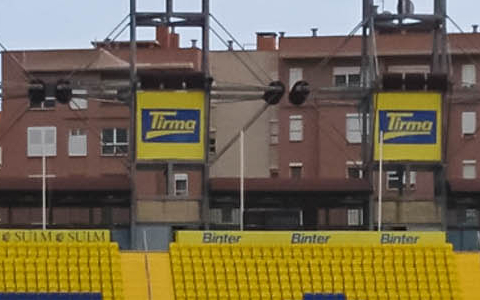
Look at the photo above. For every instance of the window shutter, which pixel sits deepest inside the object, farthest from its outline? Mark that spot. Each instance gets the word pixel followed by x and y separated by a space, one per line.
pixel 50 141
pixel 295 74
pixel 469 75
pixel 469 169
pixel 469 122
pixel 296 128
pixel 34 137
pixel 354 128
pixel 78 103
pixel 77 145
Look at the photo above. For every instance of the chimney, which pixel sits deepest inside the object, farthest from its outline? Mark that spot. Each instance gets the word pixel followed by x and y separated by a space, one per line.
pixel 266 41
pixel 230 45
pixel 194 43
pixel 314 32
pixel 174 39
pixel 475 28
pixel 162 36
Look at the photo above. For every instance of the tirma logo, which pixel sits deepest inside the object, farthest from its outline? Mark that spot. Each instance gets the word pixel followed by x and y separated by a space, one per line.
pixel 170 125
pixel 409 127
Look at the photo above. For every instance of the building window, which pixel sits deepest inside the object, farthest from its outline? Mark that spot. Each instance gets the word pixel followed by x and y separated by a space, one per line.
pixel 393 180
pixel 181 184
pixel 49 103
pixel 296 128
pixel 274 131
pixel 296 170
pixel 295 74
pixel 346 76
pixel 225 215
pixel 469 75
pixel 77 142
pixel 469 169
pixel 471 217
pixel 469 123
pixel 212 146
pixel 114 141
pixel 354 169
pixel 355 217
pixel 41 140
pixel 409 69
pixel 354 126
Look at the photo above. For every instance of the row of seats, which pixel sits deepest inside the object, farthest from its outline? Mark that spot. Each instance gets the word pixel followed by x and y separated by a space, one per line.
pixel 55 250
pixel 62 267
pixel 225 272
pixel 50 296
pixel 310 251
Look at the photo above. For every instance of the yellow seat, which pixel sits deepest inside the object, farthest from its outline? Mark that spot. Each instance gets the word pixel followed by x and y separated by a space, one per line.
pixel 12 250
pixel 21 250
pixel 3 252
pixel 10 286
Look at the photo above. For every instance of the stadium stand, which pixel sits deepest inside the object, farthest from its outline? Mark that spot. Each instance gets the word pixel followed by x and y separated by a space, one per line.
pixel 135 276
pixel 59 268
pixel 469 274
pixel 50 296
pixel 278 272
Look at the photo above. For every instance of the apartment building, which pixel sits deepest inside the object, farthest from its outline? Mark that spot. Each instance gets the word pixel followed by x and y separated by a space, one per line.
pixel 303 166
pixel 86 143
pixel 321 140
pixel 316 178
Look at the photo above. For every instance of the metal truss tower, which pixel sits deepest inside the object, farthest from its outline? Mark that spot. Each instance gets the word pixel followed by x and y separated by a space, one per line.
pixel 404 20
pixel 172 19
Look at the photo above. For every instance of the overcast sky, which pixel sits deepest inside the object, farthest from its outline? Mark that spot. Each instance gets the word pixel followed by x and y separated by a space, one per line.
pixel 50 24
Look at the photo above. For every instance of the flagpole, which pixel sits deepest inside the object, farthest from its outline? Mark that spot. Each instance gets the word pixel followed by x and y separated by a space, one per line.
pixel 242 175
pixel 44 189
pixel 380 182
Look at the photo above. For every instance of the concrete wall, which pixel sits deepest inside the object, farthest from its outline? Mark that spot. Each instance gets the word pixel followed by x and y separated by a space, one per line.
pixel 228 118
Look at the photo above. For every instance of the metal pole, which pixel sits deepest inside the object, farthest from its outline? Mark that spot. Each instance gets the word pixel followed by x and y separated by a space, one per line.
pixel 242 175
pixel 44 189
pixel 236 136
pixel 380 182
pixel 205 207
pixel 133 109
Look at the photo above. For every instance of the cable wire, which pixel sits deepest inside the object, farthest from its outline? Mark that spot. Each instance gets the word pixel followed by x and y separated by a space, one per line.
pixel 241 47
pixel 238 57
pixel 470 57
pixel 116 27
pixel 330 56
pixel 25 73
pixel 107 42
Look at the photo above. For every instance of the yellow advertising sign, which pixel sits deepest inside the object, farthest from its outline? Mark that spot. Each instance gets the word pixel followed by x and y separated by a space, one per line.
pixel 68 236
pixel 170 125
pixel 310 237
pixel 411 124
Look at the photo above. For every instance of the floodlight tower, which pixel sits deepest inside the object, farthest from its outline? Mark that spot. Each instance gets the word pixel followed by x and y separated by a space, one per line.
pixel 404 20
pixel 194 80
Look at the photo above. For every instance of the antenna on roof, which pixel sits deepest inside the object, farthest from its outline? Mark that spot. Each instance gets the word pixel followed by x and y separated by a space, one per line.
pixel 405 7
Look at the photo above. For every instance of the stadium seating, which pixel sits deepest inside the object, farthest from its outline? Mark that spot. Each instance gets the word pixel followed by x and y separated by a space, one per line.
pixel 61 268
pixel 377 272
pixel 50 296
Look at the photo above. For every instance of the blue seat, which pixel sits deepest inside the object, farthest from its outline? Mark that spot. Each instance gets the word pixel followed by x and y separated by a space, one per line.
pixel 308 296
pixel 58 296
pixel 341 297
pixel 318 297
